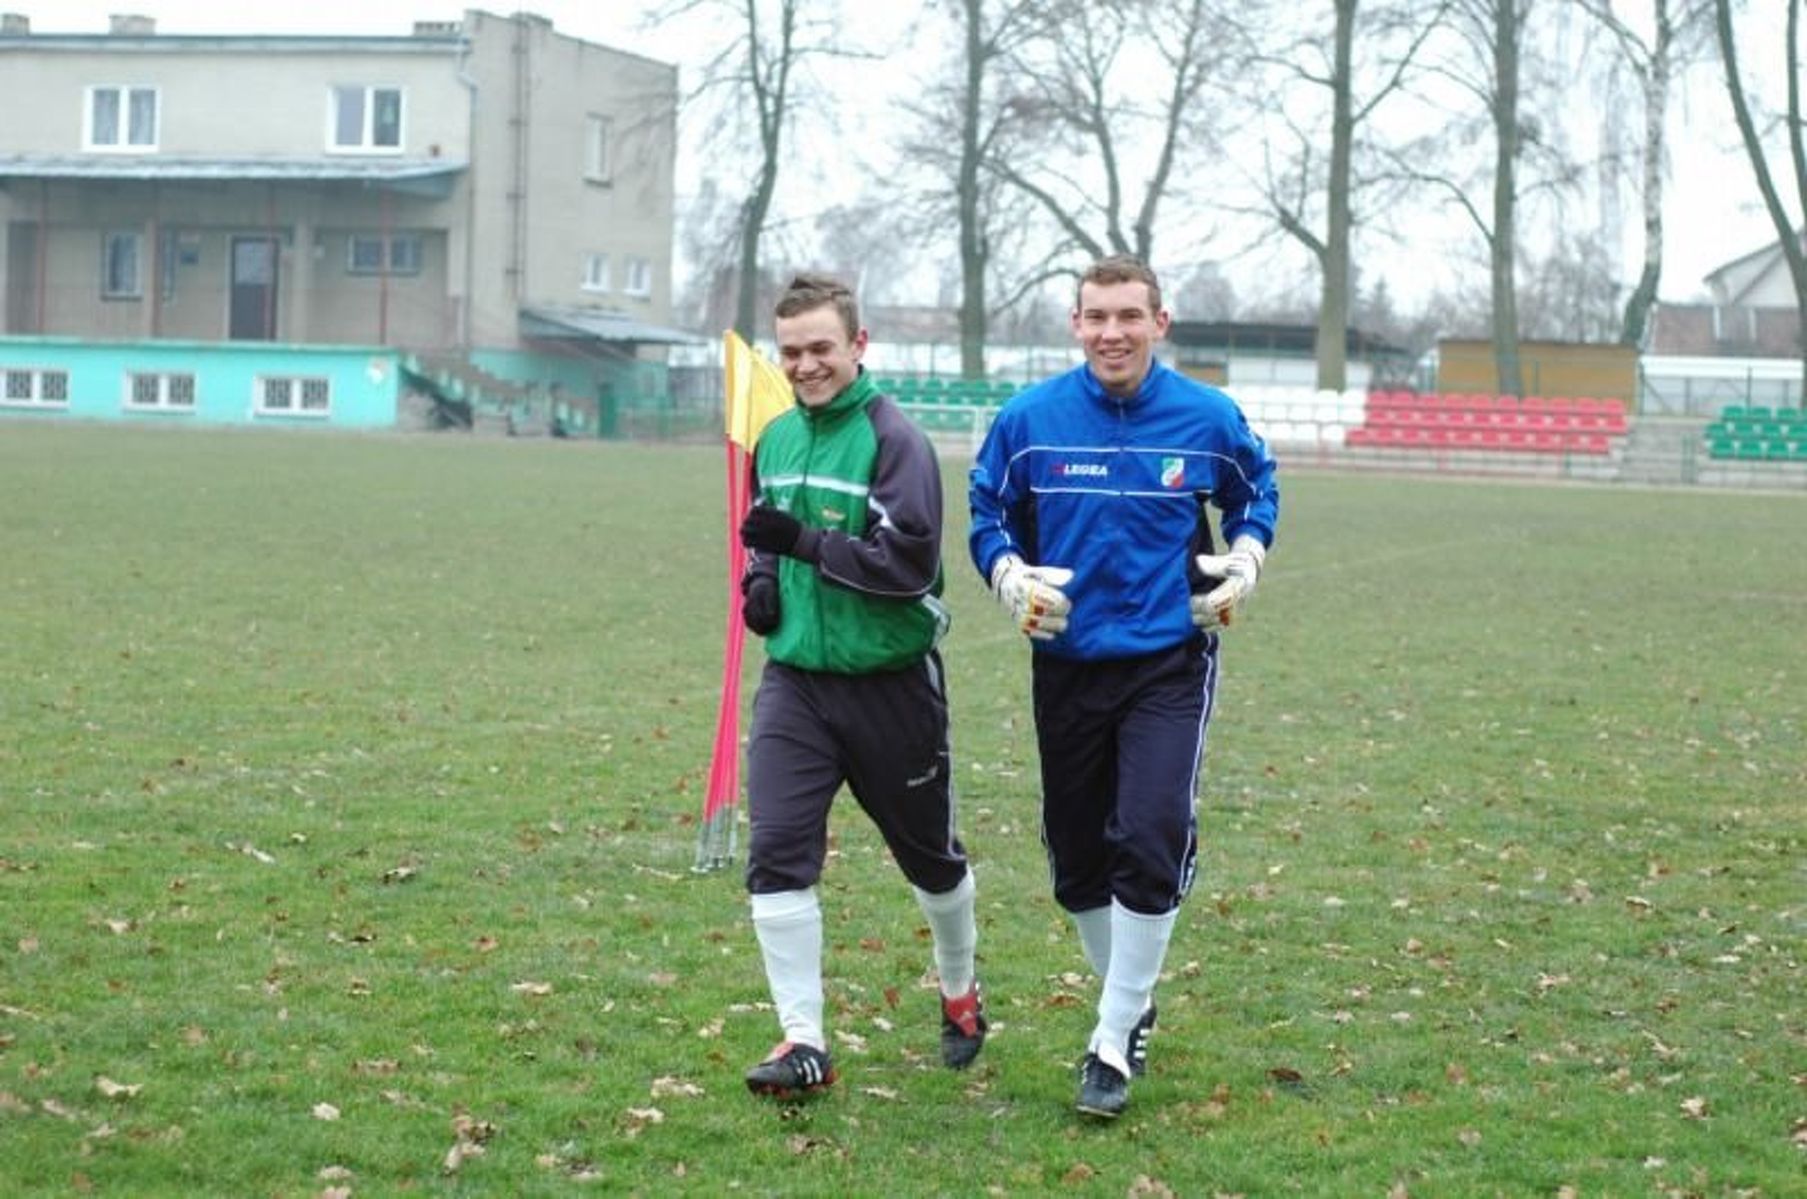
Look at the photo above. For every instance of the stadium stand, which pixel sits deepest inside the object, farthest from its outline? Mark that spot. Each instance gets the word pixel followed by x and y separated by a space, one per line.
pixel 1462 421
pixel 1747 433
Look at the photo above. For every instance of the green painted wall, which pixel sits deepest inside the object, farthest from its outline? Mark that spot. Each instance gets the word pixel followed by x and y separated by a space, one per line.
pixel 231 382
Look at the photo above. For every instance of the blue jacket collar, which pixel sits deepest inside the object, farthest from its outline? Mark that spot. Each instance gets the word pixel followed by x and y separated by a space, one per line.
pixel 1095 390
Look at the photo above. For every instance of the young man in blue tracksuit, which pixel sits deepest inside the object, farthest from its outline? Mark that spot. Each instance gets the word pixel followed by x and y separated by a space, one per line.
pixel 1089 523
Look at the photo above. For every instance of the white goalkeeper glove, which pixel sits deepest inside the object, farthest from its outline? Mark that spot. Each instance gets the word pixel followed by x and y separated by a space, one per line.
pixel 1033 594
pixel 1239 569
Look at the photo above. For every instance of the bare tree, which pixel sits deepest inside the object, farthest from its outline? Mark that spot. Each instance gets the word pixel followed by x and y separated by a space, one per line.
pixel 1315 203
pixel 957 123
pixel 1493 37
pixel 1088 89
pixel 758 73
pixel 1680 30
pixel 1788 228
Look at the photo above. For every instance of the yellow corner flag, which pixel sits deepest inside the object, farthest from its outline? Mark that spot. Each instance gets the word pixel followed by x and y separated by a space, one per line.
pixel 756 391
pixel 755 394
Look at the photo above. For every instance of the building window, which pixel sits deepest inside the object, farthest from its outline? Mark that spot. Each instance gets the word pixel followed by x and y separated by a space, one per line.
pixel 30 387
pixel 365 256
pixel 288 395
pixel 119 276
pixel 596 148
pixel 639 281
pixel 174 391
pixel 122 118
pixel 596 272
pixel 366 118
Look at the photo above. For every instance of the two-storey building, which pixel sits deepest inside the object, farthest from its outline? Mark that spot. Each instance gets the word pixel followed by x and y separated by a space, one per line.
pixel 308 227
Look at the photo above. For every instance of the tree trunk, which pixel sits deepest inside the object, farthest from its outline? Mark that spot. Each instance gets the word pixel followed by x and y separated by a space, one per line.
pixel 1633 328
pixel 1333 309
pixel 1503 247
pixel 1784 226
pixel 973 248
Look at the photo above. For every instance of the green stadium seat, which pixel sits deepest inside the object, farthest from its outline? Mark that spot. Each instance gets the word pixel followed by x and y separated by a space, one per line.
pixel 1733 412
pixel 1722 447
pixel 1748 449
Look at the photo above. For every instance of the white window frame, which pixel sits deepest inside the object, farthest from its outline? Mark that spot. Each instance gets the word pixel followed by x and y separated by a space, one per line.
pixel 107 289
pixel 392 263
pixel 598 143
pixel 639 277
pixel 36 379
pixel 122 142
pixel 596 272
pixel 165 384
pixel 295 387
pixel 365 143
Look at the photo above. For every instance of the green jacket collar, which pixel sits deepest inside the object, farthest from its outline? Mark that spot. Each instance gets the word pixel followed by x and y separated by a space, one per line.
pixel 854 396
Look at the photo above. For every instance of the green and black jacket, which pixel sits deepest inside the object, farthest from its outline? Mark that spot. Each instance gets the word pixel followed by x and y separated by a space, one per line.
pixel 861 590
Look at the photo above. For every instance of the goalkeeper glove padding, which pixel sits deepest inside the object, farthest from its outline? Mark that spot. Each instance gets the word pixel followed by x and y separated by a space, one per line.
pixel 1033 595
pixel 1239 569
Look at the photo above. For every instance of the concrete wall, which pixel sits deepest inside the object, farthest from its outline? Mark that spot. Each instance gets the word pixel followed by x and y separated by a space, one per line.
pixel 234 97
pixel 536 214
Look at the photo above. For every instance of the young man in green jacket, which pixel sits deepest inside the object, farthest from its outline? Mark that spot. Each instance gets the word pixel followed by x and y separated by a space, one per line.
pixel 844 583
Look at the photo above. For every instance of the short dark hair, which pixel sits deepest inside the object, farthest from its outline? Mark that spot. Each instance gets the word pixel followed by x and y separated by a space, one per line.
pixel 1122 268
pixel 806 292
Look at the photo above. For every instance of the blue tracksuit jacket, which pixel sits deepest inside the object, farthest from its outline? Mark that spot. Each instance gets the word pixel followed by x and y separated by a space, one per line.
pixel 1112 489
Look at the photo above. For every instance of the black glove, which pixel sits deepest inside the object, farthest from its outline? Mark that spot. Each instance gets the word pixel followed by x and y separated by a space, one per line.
pixel 770 530
pixel 759 604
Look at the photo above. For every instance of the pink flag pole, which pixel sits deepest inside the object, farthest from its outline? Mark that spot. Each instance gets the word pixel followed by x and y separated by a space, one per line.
pixel 716 837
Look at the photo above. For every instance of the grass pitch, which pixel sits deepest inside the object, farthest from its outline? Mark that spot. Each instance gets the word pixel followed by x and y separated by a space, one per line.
pixel 348 792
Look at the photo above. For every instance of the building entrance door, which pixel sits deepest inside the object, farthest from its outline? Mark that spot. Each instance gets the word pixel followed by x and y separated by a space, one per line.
pixel 253 304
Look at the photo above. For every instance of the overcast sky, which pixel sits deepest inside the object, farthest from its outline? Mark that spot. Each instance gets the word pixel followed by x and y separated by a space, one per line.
pixel 1713 213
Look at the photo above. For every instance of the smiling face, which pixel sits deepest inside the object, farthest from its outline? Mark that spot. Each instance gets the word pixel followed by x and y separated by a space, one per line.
pixel 820 357
pixel 1117 325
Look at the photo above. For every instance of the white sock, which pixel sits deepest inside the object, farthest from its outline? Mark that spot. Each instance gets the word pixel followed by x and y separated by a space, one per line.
pixel 789 927
pixel 1138 947
pixel 950 917
pixel 1094 925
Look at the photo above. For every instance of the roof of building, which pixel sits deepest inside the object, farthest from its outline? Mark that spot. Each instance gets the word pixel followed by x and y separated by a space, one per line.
pixel 431 177
pixel 562 320
pixel 1274 337
pixel 201 166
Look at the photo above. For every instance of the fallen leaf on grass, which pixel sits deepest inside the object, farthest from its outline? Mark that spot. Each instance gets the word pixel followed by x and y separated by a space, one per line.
pixel 1549 982
pixel 334 1174
pixel 532 988
pixel 675 1086
pixel 1144 1185
pixel 1469 1137
pixel 399 874
pixel 116 1090
pixel 639 1118
pixel 251 851
pixel 1694 1108
pixel 1078 1174
pixel 880 1093
pixel 458 1154
pixel 325 1111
